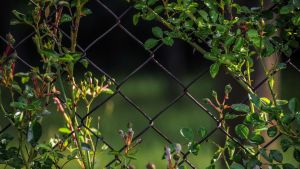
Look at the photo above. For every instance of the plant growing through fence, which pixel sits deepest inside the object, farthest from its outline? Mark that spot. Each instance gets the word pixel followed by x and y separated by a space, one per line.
pixel 235 38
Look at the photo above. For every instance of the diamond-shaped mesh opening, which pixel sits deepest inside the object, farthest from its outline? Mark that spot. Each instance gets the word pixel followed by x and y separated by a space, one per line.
pixel 178 116
pixel 105 52
pixel 114 115
pixel 90 27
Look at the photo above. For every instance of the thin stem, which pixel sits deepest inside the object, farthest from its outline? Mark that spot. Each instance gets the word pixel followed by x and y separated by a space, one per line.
pixel 249 82
pixel 23 154
pixel 84 160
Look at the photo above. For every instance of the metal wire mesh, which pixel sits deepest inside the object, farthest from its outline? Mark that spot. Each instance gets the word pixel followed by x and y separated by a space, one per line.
pixel 151 58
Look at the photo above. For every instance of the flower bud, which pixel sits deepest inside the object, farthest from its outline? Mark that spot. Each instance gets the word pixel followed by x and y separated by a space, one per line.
pixel 168 153
pixel 228 89
pixel 151 166
pixel 178 148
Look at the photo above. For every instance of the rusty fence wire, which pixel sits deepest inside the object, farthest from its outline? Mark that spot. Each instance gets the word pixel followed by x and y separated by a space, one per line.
pixel 151 58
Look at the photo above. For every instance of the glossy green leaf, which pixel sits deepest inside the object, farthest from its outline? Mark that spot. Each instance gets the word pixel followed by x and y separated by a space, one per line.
pixel 272 131
pixel 285 144
pixel 214 69
pixel 241 108
pixel 288 166
pixel 213 16
pixel 136 18
pixel 65 18
pixel 242 131
pixel 257 139
pixel 297 154
pixel 202 132
pixel 64 130
pixel 187 133
pixel 276 155
pixel 168 41
pixel 286 9
pixel 151 43
pixel 157 32
pixel 204 15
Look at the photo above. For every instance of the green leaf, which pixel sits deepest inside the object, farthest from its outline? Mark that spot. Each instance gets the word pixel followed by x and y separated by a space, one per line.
pixel 288 166
pixel 168 41
pixel 229 116
pixel 276 155
pixel 84 62
pixel 64 130
pixel 25 79
pixel 285 144
pixel 241 108
pixel 255 100
pixel 235 165
pixel 297 154
pixel 282 102
pixel 286 9
pixel 157 32
pixel 107 91
pixel 254 37
pixel 204 15
pixel 202 132
pixel 187 133
pixel 221 29
pixel 86 11
pixel 96 132
pixel 242 131
pixel 151 2
pixel 34 132
pixel 209 3
pixel 293 105
pixel 296 20
pixel 264 154
pixel 229 41
pixel 65 18
pixel 213 16
pixel 257 139
pixel 136 18
pixel 238 44
pixel 151 43
pixel 214 69
pixel 272 131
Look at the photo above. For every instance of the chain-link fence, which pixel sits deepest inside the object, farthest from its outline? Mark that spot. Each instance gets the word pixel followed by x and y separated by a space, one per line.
pixel 151 57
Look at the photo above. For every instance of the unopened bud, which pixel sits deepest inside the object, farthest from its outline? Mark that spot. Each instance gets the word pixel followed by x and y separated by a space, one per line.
pixel 121 132
pixel 168 153
pixel 151 166
pixel 214 94
pixel 10 38
pixel 206 100
pixel 177 148
pixel 228 89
